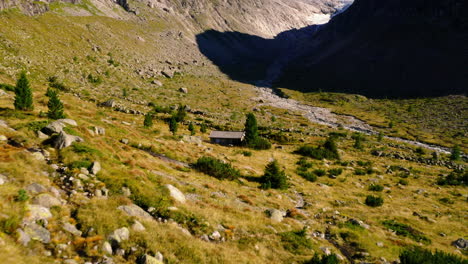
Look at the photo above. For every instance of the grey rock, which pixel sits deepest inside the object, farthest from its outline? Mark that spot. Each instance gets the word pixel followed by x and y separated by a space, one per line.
pixel 183 90
pixel 23 238
pixel 216 236
pixel 147 259
pixel 71 229
pixel 70 261
pixel 56 126
pixel 175 193
pixel 157 83
pixel 64 140
pixel 99 131
pixel 46 200
pixel 107 248
pixel 159 256
pixel 137 226
pixel 461 243
pixel 276 215
pixel 67 121
pixel 37 212
pixel 124 141
pixel 3 138
pixel 119 235
pixel 3 179
pixel 380 244
pixel 109 103
pixel 126 192
pixel 41 135
pixel 37 232
pixel 36 188
pixel 136 211
pixel 326 250
pixel 95 168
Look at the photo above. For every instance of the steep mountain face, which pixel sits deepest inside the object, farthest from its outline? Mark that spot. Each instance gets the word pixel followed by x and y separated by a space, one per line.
pixel 264 18
pixel 387 49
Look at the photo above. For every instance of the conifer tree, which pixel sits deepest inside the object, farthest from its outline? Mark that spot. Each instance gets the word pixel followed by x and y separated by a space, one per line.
pixel 23 98
pixel 173 125
pixel 274 177
pixel 203 128
pixel 148 122
pixel 191 128
pixel 55 106
pixel 251 130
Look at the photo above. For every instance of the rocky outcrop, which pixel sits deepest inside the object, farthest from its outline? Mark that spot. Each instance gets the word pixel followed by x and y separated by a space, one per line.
pixel 64 140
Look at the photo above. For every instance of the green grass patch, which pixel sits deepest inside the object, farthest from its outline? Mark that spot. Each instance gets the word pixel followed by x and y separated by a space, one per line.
pixel 406 231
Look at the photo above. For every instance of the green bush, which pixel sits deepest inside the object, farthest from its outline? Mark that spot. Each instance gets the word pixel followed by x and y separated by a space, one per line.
pixel 335 172
pixel 374 201
pixel 261 144
pixel 216 168
pixel 320 172
pixel 455 178
pixel 376 188
pixel 446 200
pixel 418 255
pixel 274 177
pixel 296 242
pixel 406 231
pixel 330 259
pixel 94 80
pixel 7 87
pixel 310 176
pixel 55 83
pixel 328 150
pixel 81 148
pixel 10 225
pixel 247 153
pixel 148 121
pixel 456 153
pixel 303 162
pixel 22 196
pixel 359 171
pixel 403 182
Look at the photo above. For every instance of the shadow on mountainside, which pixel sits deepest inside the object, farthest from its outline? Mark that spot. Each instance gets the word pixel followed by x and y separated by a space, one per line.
pixel 370 49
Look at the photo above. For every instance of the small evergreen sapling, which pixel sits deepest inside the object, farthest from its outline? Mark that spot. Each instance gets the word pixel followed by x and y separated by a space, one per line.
pixel 148 122
pixel 55 106
pixel 23 92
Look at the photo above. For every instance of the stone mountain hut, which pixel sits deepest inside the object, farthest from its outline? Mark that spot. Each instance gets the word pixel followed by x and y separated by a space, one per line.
pixel 227 137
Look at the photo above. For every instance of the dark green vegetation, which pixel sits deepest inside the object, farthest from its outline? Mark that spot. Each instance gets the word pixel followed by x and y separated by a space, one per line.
pixel 23 94
pixel 328 150
pixel 216 168
pixel 252 138
pixel 296 242
pixel 148 121
pixel 55 106
pixel 274 177
pixel 406 231
pixel 330 259
pixel 376 188
pixel 455 178
pixel 423 256
pixel 374 201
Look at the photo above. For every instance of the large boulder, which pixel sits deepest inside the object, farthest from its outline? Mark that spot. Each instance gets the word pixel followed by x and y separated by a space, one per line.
pixel 57 126
pixel 37 232
pixel 119 235
pixel 95 168
pixel 175 193
pixel 64 140
pixel 136 211
pixel 147 259
pixel 37 212
pixel 276 215
pixel 46 200
pixel 35 188
pixel 71 229
pixel 461 243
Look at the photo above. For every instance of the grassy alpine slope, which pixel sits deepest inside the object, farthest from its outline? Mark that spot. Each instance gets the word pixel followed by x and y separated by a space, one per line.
pixel 221 221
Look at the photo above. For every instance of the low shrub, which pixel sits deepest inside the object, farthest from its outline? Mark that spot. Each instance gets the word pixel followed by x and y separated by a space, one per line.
pixel 335 172
pixel 320 172
pixel 303 162
pixel 247 153
pixel 455 178
pixel 216 168
pixel 418 255
pixel 376 188
pixel 446 200
pixel 325 259
pixel 328 150
pixel 310 176
pixel 406 231
pixel 374 201
pixel 261 144
pixel 403 182
pixel 22 196
pixel 296 242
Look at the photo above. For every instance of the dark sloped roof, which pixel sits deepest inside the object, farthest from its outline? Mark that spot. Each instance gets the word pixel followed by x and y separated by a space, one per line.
pixel 227 134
